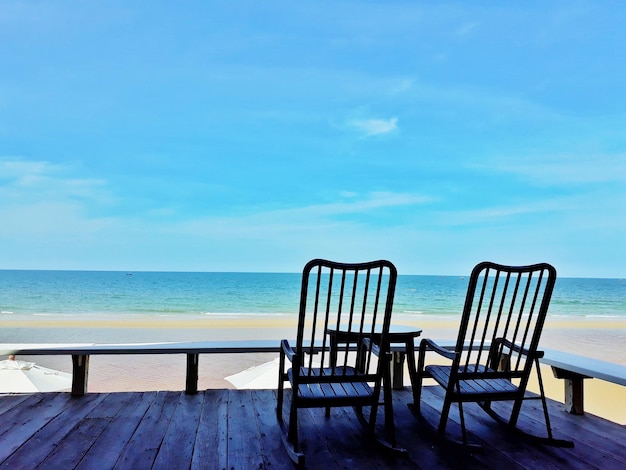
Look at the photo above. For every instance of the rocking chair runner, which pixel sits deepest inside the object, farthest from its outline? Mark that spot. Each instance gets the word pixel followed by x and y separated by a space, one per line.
pixel 356 301
pixel 496 348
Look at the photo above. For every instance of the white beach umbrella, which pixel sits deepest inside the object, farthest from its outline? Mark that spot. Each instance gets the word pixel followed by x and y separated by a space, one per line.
pixel 27 377
pixel 263 376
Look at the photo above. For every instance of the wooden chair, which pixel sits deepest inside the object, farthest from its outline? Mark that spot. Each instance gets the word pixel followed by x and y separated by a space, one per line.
pixel 349 307
pixel 496 348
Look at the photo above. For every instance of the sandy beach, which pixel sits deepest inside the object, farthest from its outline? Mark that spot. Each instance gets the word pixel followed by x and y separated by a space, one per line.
pixel 597 338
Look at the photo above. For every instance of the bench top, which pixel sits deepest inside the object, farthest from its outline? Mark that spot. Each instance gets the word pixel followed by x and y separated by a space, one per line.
pixel 615 373
pixel 582 365
pixel 207 347
pixel 139 348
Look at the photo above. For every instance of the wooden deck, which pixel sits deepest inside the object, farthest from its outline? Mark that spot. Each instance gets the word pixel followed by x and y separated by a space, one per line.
pixel 237 429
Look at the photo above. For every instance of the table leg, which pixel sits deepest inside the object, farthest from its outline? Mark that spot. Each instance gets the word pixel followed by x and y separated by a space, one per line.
pixel 410 353
pixel 390 429
pixel 397 370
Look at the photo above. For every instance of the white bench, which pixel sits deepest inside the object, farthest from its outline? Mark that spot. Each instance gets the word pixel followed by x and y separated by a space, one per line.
pixel 81 352
pixel 574 369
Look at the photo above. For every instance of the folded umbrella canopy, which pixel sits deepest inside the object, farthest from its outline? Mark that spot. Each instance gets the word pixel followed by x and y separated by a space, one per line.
pixel 27 377
pixel 263 376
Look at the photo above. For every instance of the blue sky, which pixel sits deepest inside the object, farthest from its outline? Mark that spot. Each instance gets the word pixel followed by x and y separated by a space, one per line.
pixel 253 136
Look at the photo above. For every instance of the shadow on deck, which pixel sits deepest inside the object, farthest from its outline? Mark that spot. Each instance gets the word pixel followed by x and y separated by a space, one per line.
pixel 237 429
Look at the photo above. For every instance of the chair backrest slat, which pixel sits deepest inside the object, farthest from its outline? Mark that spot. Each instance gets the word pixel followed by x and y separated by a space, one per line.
pixel 353 300
pixel 504 312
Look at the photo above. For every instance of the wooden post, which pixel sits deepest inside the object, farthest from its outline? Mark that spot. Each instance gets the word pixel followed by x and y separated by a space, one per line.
pixel 397 370
pixel 574 390
pixel 80 372
pixel 191 385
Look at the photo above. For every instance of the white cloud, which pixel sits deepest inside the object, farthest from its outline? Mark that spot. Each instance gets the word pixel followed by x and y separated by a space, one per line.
pixel 400 86
pixel 466 29
pixel 34 181
pixel 47 220
pixel 307 219
pixel 17 169
pixel 501 212
pixel 376 126
pixel 567 169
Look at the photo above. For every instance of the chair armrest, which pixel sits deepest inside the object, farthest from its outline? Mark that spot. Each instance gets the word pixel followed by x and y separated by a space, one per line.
pixel 429 345
pixel 375 347
pixel 518 349
pixel 287 350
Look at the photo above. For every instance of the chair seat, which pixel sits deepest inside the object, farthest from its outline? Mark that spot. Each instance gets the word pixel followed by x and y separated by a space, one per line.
pixel 496 388
pixel 332 391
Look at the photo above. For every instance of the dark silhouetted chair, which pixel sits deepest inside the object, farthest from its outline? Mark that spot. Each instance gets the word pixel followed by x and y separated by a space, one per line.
pixel 496 348
pixel 341 357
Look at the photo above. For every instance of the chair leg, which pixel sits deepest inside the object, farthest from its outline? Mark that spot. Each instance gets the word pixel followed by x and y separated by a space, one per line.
pixel 290 439
pixel 292 434
pixel 279 405
pixel 462 418
pixel 543 400
pixel 512 421
pixel 445 411
pixel 390 430
pixel 417 386
pixel 279 402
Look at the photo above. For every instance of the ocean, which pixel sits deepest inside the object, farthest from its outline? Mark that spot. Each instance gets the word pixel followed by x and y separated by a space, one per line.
pixel 26 293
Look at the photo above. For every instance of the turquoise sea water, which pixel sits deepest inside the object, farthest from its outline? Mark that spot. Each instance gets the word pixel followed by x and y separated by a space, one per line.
pixel 87 293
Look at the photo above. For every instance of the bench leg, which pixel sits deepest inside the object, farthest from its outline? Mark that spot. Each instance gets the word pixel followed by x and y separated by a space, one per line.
pixel 574 390
pixel 574 395
pixel 191 384
pixel 80 372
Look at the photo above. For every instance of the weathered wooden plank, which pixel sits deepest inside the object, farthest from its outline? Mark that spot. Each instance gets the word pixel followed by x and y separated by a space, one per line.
pixel 211 445
pixel 358 447
pixel 9 402
pixel 455 455
pixel 177 448
pixel 136 425
pixel 505 448
pixel 515 447
pixel 417 438
pixel 597 445
pixel 36 449
pixel 110 444
pixel 244 448
pixel 272 449
pixel 527 453
pixel 23 421
pixel 77 442
pixel 533 452
pixel 565 424
pixel 16 411
pixel 142 449
pixel 313 438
